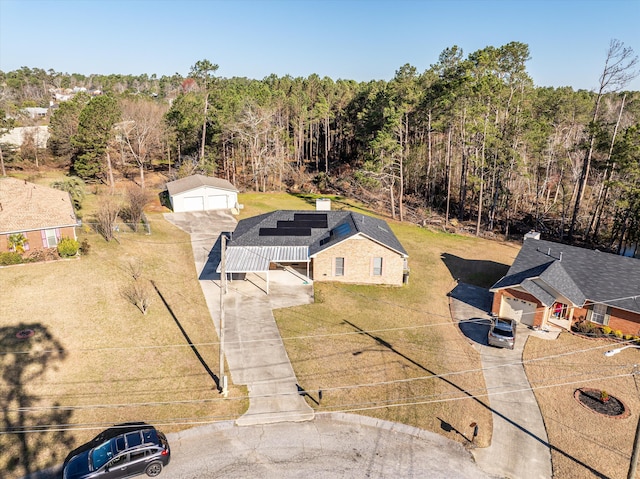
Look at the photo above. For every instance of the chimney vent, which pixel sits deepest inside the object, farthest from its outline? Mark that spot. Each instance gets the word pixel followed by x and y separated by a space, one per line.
pixel 323 204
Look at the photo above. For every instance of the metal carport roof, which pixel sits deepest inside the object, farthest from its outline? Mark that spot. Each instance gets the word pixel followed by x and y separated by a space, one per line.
pixel 256 259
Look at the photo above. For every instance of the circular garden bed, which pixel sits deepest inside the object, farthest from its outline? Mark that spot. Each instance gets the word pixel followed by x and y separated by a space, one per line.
pixel 601 403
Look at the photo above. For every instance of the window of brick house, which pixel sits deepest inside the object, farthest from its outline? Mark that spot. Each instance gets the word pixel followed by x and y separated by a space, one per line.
pixel 339 267
pixel 50 237
pixel 599 314
pixel 377 266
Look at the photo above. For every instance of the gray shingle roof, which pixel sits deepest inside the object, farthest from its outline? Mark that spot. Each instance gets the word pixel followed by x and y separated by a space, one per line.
pixel 247 233
pixel 196 181
pixel 26 206
pixel 579 274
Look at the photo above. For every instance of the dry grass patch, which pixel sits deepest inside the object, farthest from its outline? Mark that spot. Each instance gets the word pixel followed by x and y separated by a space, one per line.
pixel 95 358
pixel 584 444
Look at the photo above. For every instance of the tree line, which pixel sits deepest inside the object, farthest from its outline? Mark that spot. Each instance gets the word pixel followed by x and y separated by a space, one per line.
pixel 470 140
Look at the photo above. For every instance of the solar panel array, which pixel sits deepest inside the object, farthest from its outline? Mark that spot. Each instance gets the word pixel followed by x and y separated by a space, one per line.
pixel 300 225
pixel 319 220
pixel 337 232
pixel 284 232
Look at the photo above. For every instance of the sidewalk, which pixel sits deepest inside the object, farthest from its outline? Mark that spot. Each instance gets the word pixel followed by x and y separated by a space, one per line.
pixel 519 444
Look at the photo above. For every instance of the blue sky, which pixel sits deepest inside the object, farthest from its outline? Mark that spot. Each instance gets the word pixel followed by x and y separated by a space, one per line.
pixel 351 39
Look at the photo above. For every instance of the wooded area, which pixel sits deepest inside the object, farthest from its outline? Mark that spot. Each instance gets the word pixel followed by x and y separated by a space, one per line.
pixel 471 139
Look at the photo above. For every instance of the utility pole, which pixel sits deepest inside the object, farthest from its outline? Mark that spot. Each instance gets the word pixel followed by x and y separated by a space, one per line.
pixel 636 442
pixel 223 287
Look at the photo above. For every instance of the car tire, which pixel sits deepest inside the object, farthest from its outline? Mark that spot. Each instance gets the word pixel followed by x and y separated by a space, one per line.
pixel 153 469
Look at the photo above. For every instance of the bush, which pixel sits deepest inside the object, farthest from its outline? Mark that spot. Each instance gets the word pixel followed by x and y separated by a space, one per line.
pixel 618 333
pixel 10 258
pixel 68 247
pixel 584 327
pixel 42 254
pixel 85 247
pixel 606 330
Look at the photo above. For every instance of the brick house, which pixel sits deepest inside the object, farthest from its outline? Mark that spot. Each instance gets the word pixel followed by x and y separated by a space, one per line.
pixel 340 246
pixel 41 214
pixel 553 283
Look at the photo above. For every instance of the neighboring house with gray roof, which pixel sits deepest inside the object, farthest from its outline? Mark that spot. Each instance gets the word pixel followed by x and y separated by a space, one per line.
pixel 41 214
pixel 561 284
pixel 340 246
pixel 200 193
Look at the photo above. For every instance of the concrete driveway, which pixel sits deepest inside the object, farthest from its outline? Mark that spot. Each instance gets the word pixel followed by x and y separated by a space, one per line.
pixel 519 445
pixel 253 348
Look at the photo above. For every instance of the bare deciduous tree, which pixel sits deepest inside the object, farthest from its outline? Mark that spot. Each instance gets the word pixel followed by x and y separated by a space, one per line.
pixel 137 200
pixel 138 293
pixel 135 268
pixel 106 216
pixel 142 131
pixel 619 70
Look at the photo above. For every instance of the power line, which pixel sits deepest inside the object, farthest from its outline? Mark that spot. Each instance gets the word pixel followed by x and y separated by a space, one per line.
pixel 344 408
pixel 325 389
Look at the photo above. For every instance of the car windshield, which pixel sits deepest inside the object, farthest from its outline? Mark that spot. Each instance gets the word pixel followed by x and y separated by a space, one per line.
pixel 101 454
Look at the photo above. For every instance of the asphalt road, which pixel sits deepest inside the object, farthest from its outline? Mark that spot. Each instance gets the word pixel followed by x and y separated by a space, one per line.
pixel 322 448
pixel 330 446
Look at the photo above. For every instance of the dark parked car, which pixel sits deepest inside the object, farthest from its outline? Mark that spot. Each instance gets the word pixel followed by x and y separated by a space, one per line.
pixel 502 333
pixel 124 450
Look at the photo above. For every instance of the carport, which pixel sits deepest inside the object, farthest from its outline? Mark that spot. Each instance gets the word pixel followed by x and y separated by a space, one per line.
pixel 259 259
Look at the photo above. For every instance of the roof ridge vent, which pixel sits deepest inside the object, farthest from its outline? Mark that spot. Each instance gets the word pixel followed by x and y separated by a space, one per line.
pixel 548 253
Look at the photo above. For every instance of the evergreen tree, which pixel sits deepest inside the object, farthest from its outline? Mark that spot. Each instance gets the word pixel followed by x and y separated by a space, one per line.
pixel 95 130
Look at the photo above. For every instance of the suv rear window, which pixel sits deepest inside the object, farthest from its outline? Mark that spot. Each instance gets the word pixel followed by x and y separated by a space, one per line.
pixel 503 328
pixel 150 436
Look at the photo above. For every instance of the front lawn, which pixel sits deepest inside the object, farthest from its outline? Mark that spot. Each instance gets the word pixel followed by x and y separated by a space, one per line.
pixel 584 444
pixel 394 353
pixel 95 359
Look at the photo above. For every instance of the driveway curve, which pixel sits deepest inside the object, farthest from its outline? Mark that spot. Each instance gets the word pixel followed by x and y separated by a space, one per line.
pixel 519 443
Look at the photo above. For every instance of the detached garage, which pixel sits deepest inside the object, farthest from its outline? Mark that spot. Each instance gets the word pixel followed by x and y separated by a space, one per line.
pixel 200 193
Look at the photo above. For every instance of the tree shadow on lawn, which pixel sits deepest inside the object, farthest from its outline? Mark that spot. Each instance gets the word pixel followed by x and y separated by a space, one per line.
pixel 483 273
pixel 475 296
pixel 31 433
pixel 513 422
pixel 204 364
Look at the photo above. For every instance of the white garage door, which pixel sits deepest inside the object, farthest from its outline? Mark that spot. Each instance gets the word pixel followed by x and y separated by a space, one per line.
pixel 194 203
pixel 518 309
pixel 217 202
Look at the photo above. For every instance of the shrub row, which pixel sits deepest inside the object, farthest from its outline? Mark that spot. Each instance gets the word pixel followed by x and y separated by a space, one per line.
pixel 587 328
pixel 67 248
